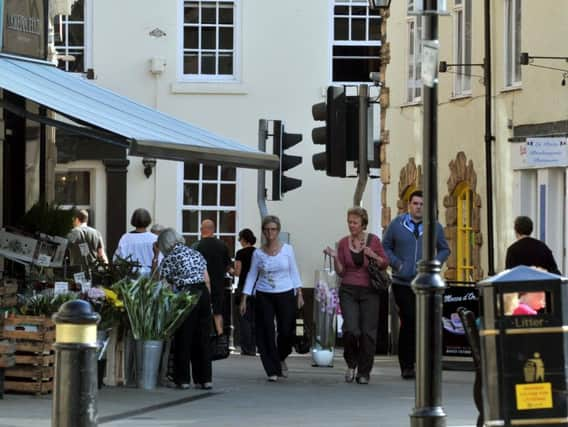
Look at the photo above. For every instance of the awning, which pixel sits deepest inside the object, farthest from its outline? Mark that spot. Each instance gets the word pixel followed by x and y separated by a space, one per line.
pixel 149 133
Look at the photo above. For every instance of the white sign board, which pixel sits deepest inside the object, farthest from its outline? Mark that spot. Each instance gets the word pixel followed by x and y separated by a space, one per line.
pixel 544 152
pixel 430 50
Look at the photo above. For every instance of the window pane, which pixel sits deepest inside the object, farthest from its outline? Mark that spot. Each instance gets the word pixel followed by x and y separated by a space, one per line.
pixel 358 29
pixel 341 29
pixel 190 38
pixel 77 11
pixel 228 173
pixel 230 242
pixel 374 29
pixel 76 66
pixel 359 10
pixel 227 219
pixel 212 215
pixel 208 14
pixel 190 61
pixel 226 63
pixel 342 10
pixel 73 188
pixel 190 221
pixel 517 53
pixel 190 240
pixel 208 63
pixel 208 35
pixel 191 171
pixel 225 14
pixel 209 194
pixel 228 192
pixel 354 70
pixel 76 35
pixel 210 172
pixel 225 38
pixel 191 12
pixel 191 194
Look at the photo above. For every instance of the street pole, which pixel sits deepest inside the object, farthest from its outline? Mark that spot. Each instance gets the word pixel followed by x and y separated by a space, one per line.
pixel 428 284
pixel 261 178
pixel 363 174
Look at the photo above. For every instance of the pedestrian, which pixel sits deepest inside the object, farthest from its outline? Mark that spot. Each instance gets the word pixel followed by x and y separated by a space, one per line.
pixel 157 229
pixel 403 244
pixel 529 251
pixel 275 281
pixel 243 259
pixel 359 301
pixel 186 270
pixel 86 243
pixel 216 253
pixel 138 243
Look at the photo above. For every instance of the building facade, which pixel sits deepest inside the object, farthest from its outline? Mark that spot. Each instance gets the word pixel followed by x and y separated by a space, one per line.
pixel 223 65
pixel 527 102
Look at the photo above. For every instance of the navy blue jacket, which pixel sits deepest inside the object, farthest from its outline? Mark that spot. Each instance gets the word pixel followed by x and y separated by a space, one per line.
pixel 405 250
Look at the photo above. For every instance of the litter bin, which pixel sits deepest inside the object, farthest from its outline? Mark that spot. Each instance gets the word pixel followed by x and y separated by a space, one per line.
pixel 524 326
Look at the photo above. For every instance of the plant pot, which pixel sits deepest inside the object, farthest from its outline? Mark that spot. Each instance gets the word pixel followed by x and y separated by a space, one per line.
pixel 148 355
pixel 322 357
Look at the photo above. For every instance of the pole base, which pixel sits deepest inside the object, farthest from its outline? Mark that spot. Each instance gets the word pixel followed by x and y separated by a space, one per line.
pixel 428 417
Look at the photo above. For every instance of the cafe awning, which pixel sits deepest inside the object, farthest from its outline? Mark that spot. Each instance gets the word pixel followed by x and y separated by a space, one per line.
pixel 145 131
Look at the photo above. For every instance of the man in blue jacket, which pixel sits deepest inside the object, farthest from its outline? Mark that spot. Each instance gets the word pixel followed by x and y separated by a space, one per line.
pixel 403 244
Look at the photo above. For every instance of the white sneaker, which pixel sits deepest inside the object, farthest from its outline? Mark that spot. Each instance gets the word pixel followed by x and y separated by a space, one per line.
pixel 284 369
pixel 273 378
pixel 349 375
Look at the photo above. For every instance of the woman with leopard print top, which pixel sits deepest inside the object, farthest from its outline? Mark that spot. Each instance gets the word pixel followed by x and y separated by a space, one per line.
pixel 186 270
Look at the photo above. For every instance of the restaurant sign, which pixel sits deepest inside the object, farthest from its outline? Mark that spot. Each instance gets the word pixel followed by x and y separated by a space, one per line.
pixel 24 28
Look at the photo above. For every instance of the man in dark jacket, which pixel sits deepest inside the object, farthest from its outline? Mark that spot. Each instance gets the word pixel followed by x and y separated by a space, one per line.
pixel 216 253
pixel 403 244
pixel 528 251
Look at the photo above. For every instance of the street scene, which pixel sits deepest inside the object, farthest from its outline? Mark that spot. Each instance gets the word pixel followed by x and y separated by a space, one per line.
pixel 248 212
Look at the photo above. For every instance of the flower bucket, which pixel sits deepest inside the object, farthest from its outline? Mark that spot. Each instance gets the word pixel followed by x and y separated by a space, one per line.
pixel 148 356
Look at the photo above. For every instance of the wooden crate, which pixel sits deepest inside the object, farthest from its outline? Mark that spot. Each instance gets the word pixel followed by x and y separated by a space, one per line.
pixel 29 328
pixel 36 347
pixel 35 359
pixel 28 387
pixel 8 287
pixel 7 301
pixel 37 373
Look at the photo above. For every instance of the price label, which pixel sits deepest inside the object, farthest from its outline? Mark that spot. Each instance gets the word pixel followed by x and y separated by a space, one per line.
pixel 85 286
pixel 84 248
pixel 43 260
pixel 79 277
pixel 60 288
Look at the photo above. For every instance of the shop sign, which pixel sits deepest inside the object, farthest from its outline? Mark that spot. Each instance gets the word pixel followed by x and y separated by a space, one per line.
pixel 544 152
pixel 24 28
pixel 455 342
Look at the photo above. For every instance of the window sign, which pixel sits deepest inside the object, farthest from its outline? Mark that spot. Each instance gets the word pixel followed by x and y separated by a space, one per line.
pixel 24 28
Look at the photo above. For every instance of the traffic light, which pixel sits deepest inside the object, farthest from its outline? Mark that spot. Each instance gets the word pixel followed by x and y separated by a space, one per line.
pixel 282 141
pixel 340 133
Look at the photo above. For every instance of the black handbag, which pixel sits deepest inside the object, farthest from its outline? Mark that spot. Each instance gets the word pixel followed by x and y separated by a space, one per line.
pixel 219 347
pixel 380 280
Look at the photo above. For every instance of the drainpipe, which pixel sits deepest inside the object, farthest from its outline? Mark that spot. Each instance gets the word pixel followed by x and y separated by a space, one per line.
pixel 489 139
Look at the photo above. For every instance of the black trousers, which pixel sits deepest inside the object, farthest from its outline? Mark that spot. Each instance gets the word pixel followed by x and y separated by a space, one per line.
pixel 273 345
pixel 247 328
pixel 406 302
pixel 192 342
pixel 360 310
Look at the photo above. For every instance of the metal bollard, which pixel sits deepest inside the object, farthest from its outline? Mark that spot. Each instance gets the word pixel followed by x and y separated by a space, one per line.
pixel 75 389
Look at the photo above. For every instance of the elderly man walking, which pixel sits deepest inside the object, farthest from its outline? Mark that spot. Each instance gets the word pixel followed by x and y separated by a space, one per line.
pixel 216 253
pixel 403 244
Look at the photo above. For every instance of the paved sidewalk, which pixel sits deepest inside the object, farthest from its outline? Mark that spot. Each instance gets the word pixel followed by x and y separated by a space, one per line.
pixel 241 396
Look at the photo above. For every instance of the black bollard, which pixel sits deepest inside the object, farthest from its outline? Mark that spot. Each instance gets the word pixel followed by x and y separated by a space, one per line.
pixel 75 390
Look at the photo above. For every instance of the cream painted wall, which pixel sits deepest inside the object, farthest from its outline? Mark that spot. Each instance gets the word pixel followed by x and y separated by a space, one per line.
pixel 284 67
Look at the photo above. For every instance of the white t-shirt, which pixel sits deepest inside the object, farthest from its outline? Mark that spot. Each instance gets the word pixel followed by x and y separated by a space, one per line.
pixel 140 247
pixel 276 273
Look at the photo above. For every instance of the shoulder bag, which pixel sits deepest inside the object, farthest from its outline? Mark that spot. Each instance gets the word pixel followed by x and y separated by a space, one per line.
pixel 380 280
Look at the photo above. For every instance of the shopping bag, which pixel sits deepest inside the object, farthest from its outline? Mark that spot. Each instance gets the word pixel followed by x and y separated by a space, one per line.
pixel 326 302
pixel 219 347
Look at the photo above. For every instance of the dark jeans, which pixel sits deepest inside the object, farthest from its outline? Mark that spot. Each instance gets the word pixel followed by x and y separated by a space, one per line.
pixel 247 328
pixel 275 346
pixel 406 302
pixel 360 310
pixel 192 342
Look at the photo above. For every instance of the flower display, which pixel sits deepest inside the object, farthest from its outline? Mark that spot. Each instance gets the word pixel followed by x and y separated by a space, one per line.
pixel 325 310
pixel 105 302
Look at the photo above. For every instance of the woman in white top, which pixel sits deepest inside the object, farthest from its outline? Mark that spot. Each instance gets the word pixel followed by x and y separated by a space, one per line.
pixel 139 243
pixel 275 281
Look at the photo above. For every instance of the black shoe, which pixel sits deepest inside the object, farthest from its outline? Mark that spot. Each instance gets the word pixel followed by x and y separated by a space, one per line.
pixel 408 373
pixel 362 380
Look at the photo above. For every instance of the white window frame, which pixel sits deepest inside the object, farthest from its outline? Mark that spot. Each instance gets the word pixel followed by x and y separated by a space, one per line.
pixel 88 10
pixel 414 25
pixel 235 77
pixel 511 39
pixel 200 207
pixel 462 46
pixel 369 20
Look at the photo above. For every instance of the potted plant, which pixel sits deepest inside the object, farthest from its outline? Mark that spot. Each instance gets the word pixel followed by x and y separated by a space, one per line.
pixel 154 312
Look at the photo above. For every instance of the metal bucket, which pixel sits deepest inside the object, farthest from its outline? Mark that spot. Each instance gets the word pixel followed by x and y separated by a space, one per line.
pixel 148 355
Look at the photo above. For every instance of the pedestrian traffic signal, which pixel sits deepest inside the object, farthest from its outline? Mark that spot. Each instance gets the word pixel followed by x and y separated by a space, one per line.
pixel 340 133
pixel 282 141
